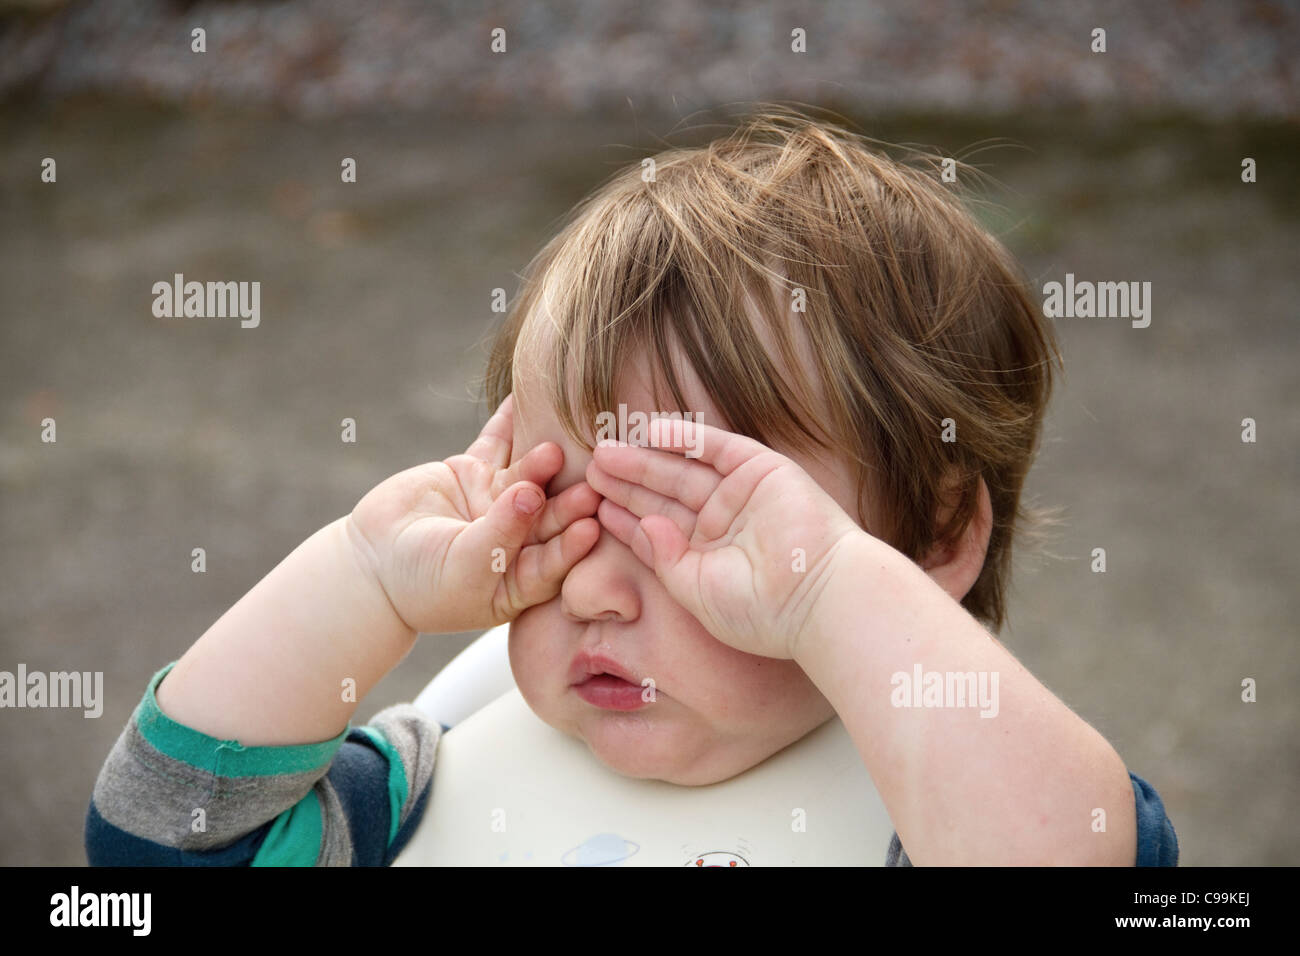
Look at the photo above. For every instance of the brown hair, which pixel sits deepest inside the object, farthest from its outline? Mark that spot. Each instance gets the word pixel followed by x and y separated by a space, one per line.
pixel 914 312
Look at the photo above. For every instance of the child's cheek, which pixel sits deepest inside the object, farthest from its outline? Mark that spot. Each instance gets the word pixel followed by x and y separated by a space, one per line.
pixel 536 660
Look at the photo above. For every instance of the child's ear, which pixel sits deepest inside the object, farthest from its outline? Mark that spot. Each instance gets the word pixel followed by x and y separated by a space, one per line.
pixel 956 567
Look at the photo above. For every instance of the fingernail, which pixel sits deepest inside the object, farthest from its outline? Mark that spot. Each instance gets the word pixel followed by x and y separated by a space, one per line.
pixel 527 501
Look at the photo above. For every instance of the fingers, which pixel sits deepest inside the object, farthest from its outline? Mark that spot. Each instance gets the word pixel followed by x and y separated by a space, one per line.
pixel 725 451
pixel 672 476
pixel 539 466
pixel 501 540
pixel 624 526
pixel 495 444
pixel 641 500
pixel 701 497
pixel 568 506
pixel 495 440
pixel 499 535
pixel 657 542
pixel 539 573
pixel 667 546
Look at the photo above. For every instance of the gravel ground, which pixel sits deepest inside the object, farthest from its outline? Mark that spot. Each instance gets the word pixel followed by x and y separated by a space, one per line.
pixel 375 306
pixel 327 57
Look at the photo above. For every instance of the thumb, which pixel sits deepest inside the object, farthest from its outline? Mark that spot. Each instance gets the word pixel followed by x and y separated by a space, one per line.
pixel 506 524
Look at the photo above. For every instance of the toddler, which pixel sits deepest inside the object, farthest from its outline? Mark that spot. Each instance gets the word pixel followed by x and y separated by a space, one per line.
pixel 763 414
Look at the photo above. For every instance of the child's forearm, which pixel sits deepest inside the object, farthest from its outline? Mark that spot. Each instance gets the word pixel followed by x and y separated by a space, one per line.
pixel 273 669
pixel 1020 787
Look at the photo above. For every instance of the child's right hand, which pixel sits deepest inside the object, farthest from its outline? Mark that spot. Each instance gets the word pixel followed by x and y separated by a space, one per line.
pixel 449 546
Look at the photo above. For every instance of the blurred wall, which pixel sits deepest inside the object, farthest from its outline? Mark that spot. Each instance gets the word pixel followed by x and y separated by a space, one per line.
pixel 376 306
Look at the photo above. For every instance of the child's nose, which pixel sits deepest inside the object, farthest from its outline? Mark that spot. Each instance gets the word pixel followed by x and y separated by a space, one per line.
pixel 604 586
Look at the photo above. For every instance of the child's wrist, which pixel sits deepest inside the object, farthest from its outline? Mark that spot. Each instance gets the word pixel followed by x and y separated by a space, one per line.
pixel 361 553
pixel 864 572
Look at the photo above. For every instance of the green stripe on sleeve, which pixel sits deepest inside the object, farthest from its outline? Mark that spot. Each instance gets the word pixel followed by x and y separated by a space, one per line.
pixel 397 785
pixel 294 837
pixel 227 758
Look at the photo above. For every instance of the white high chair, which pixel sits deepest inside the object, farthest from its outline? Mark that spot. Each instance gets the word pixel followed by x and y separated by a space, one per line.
pixel 472 679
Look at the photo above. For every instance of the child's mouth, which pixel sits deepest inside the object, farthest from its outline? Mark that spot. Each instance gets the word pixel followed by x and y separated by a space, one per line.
pixel 606 682
pixel 612 693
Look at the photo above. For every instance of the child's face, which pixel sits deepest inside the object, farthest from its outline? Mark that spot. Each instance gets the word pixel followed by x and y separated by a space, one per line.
pixel 716 711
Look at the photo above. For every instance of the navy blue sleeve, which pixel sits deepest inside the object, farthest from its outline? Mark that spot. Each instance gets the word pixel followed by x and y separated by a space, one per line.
pixel 1157 844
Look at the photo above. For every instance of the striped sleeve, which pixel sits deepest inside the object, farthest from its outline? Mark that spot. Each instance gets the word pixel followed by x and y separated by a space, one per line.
pixel 1157 844
pixel 169 795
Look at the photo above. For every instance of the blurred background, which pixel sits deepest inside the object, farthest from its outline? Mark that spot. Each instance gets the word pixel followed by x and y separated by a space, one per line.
pixel 1123 165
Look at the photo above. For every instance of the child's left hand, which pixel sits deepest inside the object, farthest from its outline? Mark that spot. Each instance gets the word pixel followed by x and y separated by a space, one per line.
pixel 724 531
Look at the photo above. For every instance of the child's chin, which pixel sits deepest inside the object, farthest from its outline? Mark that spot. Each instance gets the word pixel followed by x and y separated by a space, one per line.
pixel 639 770
pixel 627 751
pixel 630 760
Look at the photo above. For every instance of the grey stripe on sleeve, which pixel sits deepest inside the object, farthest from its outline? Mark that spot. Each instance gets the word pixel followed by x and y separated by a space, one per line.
pixel 896 855
pixel 414 735
pixel 153 796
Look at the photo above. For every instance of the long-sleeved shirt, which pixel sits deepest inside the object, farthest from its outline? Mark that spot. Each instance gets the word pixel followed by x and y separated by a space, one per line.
pixel 169 795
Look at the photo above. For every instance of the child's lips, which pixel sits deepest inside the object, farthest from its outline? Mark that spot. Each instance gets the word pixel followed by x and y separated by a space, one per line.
pixel 586 664
pixel 611 693
pixel 604 682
